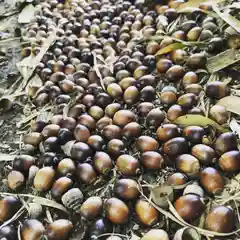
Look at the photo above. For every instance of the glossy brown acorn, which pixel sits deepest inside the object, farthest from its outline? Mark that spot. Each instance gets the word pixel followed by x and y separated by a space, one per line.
pixel 32 229
pixel 205 154
pixel 156 234
pixel 146 143
pixel 176 146
pixel 144 108
pixel 167 132
pixel 33 138
pixel 115 147
pixel 123 117
pixel 15 180
pixel 96 142
pixel 168 98
pixel 60 186
pixel 196 61
pixel 127 165
pixel 175 112
pixel 146 213
pixel 80 151
pixel 152 160
pixel 91 208
pixel 66 167
pixel 112 108
pixel 85 173
pixel 87 120
pixel 175 73
pixel 116 210
pixel 225 142
pixel 131 130
pixel 59 230
pixel 8 207
pixel 44 179
pixel 103 122
pixel 230 161
pixel 194 88
pixel 219 114
pixel 126 189
pixel 189 207
pixel 50 130
pixel 177 179
pixel 216 90
pixel 188 164
pixel 187 100
pixel 22 163
pixel 194 134
pixel 111 131
pixel 190 78
pixel 81 133
pixel 220 219
pixel 163 65
pixel 194 34
pixel 131 95
pixel 211 180
pixel 114 90
pixel 102 162
pixel 96 112
pixel 155 117
pixel 179 56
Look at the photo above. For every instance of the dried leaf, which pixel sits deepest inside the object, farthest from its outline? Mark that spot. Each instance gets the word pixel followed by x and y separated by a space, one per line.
pixel 199 120
pixel 223 60
pixel 134 237
pixel 161 194
pixel 231 103
pixel 6 157
pixel 26 14
pixel 235 127
pixel 33 85
pixel 170 48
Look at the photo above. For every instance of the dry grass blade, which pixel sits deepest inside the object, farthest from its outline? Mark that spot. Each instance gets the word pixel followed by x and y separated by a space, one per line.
pixel 223 60
pixel 39 200
pixel 231 103
pixel 199 120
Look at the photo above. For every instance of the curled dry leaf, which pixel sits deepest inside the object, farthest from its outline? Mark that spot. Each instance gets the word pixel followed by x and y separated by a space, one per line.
pixel 26 14
pixel 235 127
pixel 199 120
pixel 231 103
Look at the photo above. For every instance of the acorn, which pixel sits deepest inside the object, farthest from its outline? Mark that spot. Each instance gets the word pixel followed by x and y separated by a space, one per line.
pixel 103 122
pixel 152 160
pixel 190 78
pixel 88 100
pixel 175 73
pixel 194 34
pixel 196 111
pixel 91 208
pixel 146 143
pixel 64 136
pixel 126 189
pixel 167 132
pixel 138 73
pixel 174 112
pixel 205 154
pixel 196 61
pixel 32 229
pixel 51 144
pixel 148 94
pixel 179 34
pixel 33 138
pixel 187 100
pixel 131 130
pixel 188 164
pixel 176 146
pixel 50 130
pixel 87 120
pixel 216 90
pixel 114 90
pixel 112 108
pixel 123 117
pixel 8 232
pixel 163 65
pixel 155 117
pixel 177 179
pixel 102 162
pixel 127 82
pixel 66 167
pixel 225 142
pixel 189 207
pixel 168 98
pixel 179 56
pixel 8 207
pixel 116 211
pixel 156 234
pixel 111 131
pixel 131 95
pixel 81 133
pixel 44 179
pixel 115 147
pixel 96 112
pixel 146 213
pixel 230 161
pixel 186 26
pixel 96 142
pixel 99 227
pixel 216 44
pixel 219 114
pixel 194 134
pixel 80 151
pixel 38 125
pixel 146 80
pixel 127 165
pixel 85 173
pixel 60 186
pixel 15 180
pixel 205 35
pixel 144 108
pixel 22 163
pixel 211 180
pixel 220 219
pixel 60 229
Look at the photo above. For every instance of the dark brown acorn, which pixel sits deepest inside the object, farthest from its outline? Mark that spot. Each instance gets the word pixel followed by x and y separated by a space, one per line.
pixel 188 164
pixel 219 114
pixel 155 117
pixel 22 163
pixel 205 154
pixel 60 186
pixel 116 211
pixel 217 90
pixel 123 117
pixel 152 160
pixel 96 112
pixel 112 131
pixel 168 98
pixel 33 138
pixel 81 133
pixel 66 167
pixel 163 65
pixel 112 108
pixel 220 219
pixel 8 207
pixel 189 207
pixel 175 73
pixel 96 142
pixel 196 61
pixel 179 56
pixel 194 134
pixel 32 229
pixel 51 144
pixel 50 130
pixel 167 132
pixel 44 178
pixel 115 147
pixel 144 108
pixel 103 122
pixel 225 142
pixel 146 213
pixel 187 100
pixel 15 180
pixel 131 95
pixel 146 143
pixel 177 179
pixel 127 165
pixel 114 90
pixel 87 120
pixel 80 151
pixel 148 94
pixel 211 180
pixel 126 189
pixel 8 232
pixel 174 112
pixel 230 161
pixel 176 146
pixel 131 130
pixel 85 173
pixel 102 162
pixel 91 208
pixel 190 78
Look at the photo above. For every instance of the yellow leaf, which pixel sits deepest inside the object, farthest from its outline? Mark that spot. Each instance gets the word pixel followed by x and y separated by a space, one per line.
pixel 231 103
pixel 170 48
pixel 199 120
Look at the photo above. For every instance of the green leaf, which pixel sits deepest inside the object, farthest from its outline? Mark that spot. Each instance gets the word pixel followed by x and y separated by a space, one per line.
pixel 170 48
pixel 199 120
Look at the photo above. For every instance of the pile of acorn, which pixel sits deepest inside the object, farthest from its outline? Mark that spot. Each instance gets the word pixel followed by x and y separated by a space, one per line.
pixel 115 103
